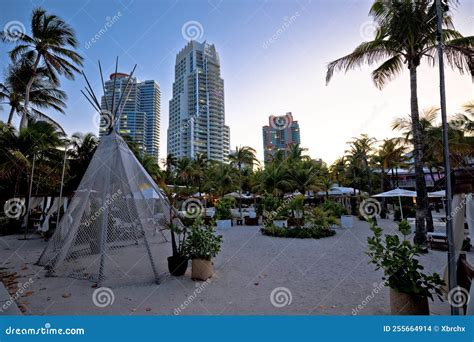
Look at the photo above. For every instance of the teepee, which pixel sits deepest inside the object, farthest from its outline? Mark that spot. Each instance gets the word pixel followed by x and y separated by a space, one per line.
pixel 112 231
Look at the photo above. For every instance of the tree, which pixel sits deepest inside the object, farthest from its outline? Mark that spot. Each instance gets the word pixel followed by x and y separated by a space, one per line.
pixel 40 141
pixel 358 156
pixel 406 35
pixel 43 94
pixel 81 150
pixel 242 157
pixel 50 44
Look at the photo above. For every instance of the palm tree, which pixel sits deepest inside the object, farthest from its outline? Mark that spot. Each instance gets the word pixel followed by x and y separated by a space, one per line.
pixel 199 167
pixel 43 94
pixel 358 156
pixel 220 179
pixel 170 164
pixel 40 141
pixel 50 45
pixel 338 170
pixel 243 156
pixel 81 151
pixel 406 35
pixel 184 171
pixel 305 176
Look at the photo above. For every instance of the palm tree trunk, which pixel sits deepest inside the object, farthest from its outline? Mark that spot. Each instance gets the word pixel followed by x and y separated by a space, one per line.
pixel 240 192
pixel 24 117
pixel 10 116
pixel 421 201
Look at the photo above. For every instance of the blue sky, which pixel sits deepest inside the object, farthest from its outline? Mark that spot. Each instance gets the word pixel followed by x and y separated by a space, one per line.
pixel 262 76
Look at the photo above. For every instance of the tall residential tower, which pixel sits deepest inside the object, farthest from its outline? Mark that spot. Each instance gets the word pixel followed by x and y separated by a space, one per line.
pixel 197 114
pixel 140 119
pixel 281 132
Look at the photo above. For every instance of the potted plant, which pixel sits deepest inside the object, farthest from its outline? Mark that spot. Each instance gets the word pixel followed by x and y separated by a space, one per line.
pixel 178 262
pixel 223 213
pixel 410 287
pixel 202 245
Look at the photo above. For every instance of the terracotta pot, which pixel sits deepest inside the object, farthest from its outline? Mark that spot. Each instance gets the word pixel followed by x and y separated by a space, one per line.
pixel 201 269
pixel 408 304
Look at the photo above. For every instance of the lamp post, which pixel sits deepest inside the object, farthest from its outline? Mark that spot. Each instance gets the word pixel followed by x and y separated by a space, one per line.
pixel 452 283
pixel 27 218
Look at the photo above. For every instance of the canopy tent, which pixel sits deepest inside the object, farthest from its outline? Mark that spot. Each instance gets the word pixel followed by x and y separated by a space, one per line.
pixel 236 195
pixel 439 194
pixel 397 192
pixel 342 191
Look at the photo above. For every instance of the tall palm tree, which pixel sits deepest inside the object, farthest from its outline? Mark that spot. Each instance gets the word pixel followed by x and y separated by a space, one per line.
pixel 358 155
pixel 43 94
pixel 199 167
pixel 407 34
pixel 51 43
pixel 243 156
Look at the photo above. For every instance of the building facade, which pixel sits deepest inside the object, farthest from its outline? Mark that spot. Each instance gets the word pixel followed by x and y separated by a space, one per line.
pixel 140 111
pixel 196 110
pixel 279 135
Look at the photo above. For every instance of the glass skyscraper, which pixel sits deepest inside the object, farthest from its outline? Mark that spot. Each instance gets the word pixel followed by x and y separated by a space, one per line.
pixel 140 118
pixel 197 113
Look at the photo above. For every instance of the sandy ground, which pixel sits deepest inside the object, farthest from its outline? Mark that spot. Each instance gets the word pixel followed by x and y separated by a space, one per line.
pixel 330 276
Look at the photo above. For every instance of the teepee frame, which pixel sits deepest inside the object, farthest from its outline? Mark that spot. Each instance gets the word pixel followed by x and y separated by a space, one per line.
pixel 133 210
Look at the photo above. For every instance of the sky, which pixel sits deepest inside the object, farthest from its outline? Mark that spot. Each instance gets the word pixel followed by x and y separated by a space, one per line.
pixel 273 53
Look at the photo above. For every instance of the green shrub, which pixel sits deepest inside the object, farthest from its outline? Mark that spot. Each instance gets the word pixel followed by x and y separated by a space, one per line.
pixel 321 218
pixel 336 209
pixel 298 232
pixel 202 242
pixel 223 208
pixel 398 259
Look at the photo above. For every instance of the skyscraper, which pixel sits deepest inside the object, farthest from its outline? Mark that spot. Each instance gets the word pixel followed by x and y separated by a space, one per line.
pixel 197 113
pixel 140 119
pixel 281 132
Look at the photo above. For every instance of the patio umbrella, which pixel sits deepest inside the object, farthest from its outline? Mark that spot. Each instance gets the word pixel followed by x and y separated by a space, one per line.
pixel 234 195
pixel 397 193
pixel 440 193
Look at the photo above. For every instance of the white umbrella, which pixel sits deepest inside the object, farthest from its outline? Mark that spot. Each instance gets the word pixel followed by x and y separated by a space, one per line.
pixel 232 194
pixel 440 193
pixel 397 193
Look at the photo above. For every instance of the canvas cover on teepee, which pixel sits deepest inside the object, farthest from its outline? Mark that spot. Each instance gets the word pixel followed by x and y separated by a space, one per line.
pixel 112 232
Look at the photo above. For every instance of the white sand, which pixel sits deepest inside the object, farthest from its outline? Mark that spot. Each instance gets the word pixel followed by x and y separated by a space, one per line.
pixel 330 276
